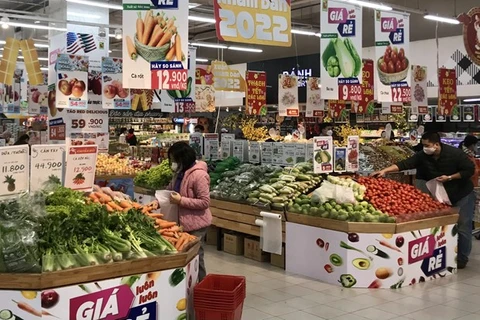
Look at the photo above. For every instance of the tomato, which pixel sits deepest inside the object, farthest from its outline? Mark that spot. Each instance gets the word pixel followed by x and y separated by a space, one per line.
pixel 401 54
pixel 387 58
pixel 391 67
pixel 404 64
pixel 395 49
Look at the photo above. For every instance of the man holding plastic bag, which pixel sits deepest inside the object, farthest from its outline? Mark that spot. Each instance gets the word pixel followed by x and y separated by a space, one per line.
pixel 448 171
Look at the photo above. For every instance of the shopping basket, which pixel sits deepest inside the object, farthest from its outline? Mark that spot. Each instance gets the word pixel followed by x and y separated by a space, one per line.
pixel 219 297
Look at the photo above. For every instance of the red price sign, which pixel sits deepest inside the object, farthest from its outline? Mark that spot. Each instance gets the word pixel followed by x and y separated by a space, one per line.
pixel 318 113
pixel 57 132
pixel 185 106
pixel 292 113
pixel 170 79
pixel 422 109
pixel 396 108
pixel 351 92
pixel 401 94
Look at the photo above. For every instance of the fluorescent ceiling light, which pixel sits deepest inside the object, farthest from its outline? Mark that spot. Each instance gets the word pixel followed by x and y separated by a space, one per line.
pixel 441 19
pixel 44 69
pixel 84 15
pixel 303 32
pixel 35 26
pixel 201 60
pixel 98 4
pixel 368 4
pixel 201 19
pixel 472 100
pixel 193 5
pixel 245 49
pixel 318 35
pixel 209 45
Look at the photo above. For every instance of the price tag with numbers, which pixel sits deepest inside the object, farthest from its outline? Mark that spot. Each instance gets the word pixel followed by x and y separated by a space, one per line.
pixel 400 92
pixel 14 168
pixel 77 104
pixel 81 121
pixel 350 91
pixel 184 106
pixel 169 76
pixel 80 171
pixel 46 165
pixel 257 22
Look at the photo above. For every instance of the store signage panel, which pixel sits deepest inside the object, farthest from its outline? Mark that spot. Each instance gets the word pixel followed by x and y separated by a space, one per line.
pixel 46 165
pixel 114 95
pixel 72 82
pixel 256 93
pixel 80 171
pixel 288 96
pixel 341 50
pixel 419 88
pixel 254 22
pixel 367 102
pixel 14 168
pixel 447 93
pixel 226 78
pixel 315 104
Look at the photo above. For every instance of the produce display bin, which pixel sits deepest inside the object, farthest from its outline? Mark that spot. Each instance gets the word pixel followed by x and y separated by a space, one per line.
pixel 365 255
pixel 158 288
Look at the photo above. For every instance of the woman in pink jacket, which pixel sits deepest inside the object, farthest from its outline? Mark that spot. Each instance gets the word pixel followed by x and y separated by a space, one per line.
pixel 191 186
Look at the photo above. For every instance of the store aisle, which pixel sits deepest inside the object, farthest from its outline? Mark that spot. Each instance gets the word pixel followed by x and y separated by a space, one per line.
pixel 273 294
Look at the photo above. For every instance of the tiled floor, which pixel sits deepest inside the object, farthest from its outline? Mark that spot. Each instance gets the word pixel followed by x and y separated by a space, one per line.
pixel 274 294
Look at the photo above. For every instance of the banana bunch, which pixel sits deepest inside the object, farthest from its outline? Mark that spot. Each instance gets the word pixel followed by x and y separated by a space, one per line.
pixel 345 130
pixel 252 133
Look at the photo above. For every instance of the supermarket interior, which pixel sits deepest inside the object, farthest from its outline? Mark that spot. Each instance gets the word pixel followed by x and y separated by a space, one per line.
pixel 228 160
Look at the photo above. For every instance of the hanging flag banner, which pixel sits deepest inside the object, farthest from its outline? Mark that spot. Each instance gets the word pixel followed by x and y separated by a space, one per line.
pixel 227 79
pixel 256 94
pixel 392 49
pixel 288 96
pixel 367 102
pixel 114 95
pixel 341 49
pixel 315 104
pixel 419 87
pixel 254 22
pixel 155 44
pixel 447 92
pixel 72 79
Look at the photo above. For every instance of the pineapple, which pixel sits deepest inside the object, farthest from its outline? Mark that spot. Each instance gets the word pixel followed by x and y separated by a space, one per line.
pixel 11 183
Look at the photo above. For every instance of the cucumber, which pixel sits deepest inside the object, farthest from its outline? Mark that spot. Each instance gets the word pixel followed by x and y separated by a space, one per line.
pixel 278 200
pixel 254 194
pixel 278 206
pixel 266 201
pixel 266 196
pixel 6 315
pixel 268 189
pixel 303 177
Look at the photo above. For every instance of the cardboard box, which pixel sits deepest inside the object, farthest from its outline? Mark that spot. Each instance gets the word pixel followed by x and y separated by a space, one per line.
pixel 254 251
pixel 233 244
pixel 277 260
pixel 211 238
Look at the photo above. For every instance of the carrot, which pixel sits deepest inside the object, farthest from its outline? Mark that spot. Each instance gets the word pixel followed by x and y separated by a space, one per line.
pixel 388 245
pixel 183 238
pixel 136 205
pixel 156 36
pixel 170 239
pixel 146 210
pixel 148 15
pixel 174 229
pixel 132 51
pixel 125 204
pixel 178 47
pixel 168 234
pixel 103 198
pixel 149 26
pixel 156 215
pixel 109 208
pixel 28 308
pixel 93 196
pixel 170 22
pixel 166 38
pixel 154 205
pixel 166 224
pixel 48 314
pixel 140 27
pixel 170 54
pixel 115 206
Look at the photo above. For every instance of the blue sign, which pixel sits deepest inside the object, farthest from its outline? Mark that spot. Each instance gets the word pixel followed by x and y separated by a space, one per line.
pixel 397 37
pixel 165 4
pixel 144 312
pixel 163 65
pixel 347 29
pixel 435 263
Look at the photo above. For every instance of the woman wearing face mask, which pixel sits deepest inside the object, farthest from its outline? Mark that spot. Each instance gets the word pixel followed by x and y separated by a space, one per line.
pixel 191 186
pixel 327 131
pixel 469 146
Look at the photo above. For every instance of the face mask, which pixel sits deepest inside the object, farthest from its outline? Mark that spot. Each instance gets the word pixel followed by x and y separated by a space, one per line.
pixel 329 132
pixel 429 151
pixel 174 166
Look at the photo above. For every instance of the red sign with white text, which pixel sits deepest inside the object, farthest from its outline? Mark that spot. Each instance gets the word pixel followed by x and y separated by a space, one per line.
pixel 256 95
pixel 367 88
pixel 185 106
pixel 169 79
pixel 447 91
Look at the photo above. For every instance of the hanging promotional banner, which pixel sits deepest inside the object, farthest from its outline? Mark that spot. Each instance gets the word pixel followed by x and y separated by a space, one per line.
pixel 315 106
pixel 353 152
pixel 227 79
pixel 419 88
pixel 288 96
pixel 204 89
pixel 254 22
pixel 469 113
pixel 367 102
pixel 80 171
pixel 72 79
pixel 14 168
pixel 471 35
pixel 10 100
pixel 114 95
pixel 155 44
pixel 87 127
pixel 341 49
pixel 46 165
pixel 337 109
pixel 392 51
pixel 38 97
pixel 340 159
pixel 447 92
pixel 322 154
pixel 256 93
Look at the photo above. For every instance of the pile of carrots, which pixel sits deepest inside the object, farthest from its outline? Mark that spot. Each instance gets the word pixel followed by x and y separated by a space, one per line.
pixel 156 31
pixel 171 232
pixel 118 202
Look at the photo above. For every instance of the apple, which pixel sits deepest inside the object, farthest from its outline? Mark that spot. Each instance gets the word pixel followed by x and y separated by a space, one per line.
pixel 109 91
pixel 77 91
pixel 65 87
pixel 49 299
pixel 80 84
pixel 123 93
pixel 36 96
pixel 72 81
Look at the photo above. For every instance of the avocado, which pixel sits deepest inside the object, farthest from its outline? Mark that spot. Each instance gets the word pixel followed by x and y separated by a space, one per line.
pixel 361 263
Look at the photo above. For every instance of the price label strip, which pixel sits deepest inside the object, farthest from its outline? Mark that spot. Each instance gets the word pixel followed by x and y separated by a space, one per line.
pixel 169 76
pixel 14 164
pixel 46 165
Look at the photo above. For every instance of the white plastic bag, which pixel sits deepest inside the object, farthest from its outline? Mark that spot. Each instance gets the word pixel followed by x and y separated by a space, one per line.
pixel 169 210
pixel 340 194
pixel 438 191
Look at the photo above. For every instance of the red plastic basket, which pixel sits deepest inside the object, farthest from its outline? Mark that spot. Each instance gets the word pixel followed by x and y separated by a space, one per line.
pixel 208 314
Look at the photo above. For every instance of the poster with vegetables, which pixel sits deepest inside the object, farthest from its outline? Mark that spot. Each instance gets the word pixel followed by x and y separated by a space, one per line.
pixel 114 95
pixel 392 51
pixel 14 164
pixel 419 88
pixel 46 165
pixel 469 113
pixel 38 97
pixel 340 159
pixel 315 104
pixel 353 154
pixel 367 103
pixel 341 50
pixel 447 94
pixel 72 79
pixel 288 96
pixel 211 143
pixel 154 33
pixel 323 154
pixel 80 170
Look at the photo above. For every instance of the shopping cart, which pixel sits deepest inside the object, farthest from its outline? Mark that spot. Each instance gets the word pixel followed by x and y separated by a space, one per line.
pixel 476 215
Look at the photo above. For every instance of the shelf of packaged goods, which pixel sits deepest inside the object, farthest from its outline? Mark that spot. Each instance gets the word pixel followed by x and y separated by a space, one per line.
pixel 20 281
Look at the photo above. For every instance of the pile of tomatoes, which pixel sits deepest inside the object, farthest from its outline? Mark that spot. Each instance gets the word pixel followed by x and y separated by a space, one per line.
pixel 397 199
pixel 393 60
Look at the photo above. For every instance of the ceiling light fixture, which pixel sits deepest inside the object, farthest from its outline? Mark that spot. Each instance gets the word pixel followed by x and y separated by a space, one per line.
pixel 118 34
pixel 193 5
pixel 303 32
pixel 201 60
pixel 35 26
pixel 98 4
pixel 84 15
pixel 209 45
pixel 472 100
pixel 368 4
pixel 4 21
pixel 441 19
pixel 44 69
pixel 201 19
pixel 245 49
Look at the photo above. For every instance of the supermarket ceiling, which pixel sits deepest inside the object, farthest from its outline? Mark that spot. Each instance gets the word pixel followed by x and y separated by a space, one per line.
pixel 305 16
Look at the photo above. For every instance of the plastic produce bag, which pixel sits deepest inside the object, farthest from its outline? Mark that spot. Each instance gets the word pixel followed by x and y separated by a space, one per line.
pixel 328 190
pixel 438 191
pixel 169 210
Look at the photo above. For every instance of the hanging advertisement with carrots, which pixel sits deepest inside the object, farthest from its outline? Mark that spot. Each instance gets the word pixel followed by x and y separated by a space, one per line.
pixel 155 47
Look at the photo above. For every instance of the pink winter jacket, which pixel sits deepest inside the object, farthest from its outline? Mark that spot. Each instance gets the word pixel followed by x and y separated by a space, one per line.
pixel 194 208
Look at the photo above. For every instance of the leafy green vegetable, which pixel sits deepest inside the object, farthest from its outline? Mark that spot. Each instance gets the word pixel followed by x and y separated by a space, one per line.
pixel 155 178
